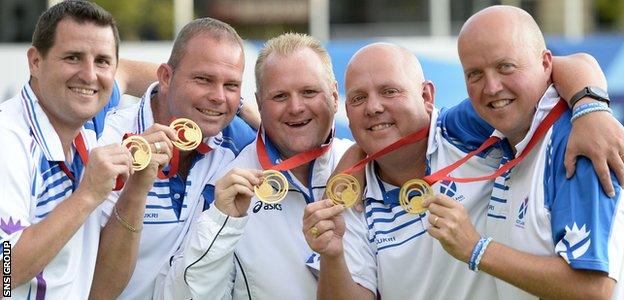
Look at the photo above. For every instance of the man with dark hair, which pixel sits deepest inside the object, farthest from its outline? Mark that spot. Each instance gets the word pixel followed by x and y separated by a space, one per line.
pixel 201 82
pixel 54 179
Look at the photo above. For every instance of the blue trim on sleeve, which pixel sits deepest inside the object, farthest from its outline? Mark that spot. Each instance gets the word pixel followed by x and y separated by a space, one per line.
pixel 582 215
pixel 462 126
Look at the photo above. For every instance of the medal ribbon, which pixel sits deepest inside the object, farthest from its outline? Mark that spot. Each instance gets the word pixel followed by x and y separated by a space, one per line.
pixel 290 163
pixel 82 152
pixel 541 130
pixel 406 140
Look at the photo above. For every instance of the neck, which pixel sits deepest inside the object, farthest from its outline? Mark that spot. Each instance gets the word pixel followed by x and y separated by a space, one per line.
pixel 301 172
pixel 160 111
pixel 395 169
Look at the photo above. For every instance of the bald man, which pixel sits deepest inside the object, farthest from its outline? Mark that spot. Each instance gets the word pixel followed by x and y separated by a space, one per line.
pixel 550 237
pixel 387 99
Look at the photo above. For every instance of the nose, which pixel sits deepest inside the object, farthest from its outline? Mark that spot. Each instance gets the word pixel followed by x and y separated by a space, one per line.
pixel 88 72
pixel 218 95
pixel 492 84
pixel 296 105
pixel 373 106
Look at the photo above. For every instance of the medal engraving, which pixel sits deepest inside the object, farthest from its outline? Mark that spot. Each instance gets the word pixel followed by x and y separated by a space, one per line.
pixel 343 189
pixel 412 195
pixel 274 187
pixel 188 133
pixel 140 150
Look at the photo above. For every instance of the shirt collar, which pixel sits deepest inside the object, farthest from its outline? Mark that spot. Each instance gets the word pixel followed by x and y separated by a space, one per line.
pixel 543 107
pixel 40 126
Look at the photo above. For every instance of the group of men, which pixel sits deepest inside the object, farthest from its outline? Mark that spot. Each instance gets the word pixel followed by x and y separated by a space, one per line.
pixel 190 226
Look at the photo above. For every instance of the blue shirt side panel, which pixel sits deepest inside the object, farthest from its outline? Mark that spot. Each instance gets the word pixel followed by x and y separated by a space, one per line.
pixel 208 194
pixel 237 135
pixel 98 120
pixel 462 126
pixel 576 203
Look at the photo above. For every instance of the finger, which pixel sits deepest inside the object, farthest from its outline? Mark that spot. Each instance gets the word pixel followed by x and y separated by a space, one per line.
pixel 359 206
pixel 323 212
pixel 440 199
pixel 602 170
pixel 168 132
pixel 569 161
pixel 317 205
pixel 440 211
pixel 324 225
pixel 616 164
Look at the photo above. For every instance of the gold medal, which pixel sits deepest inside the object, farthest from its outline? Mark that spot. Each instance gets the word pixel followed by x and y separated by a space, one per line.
pixel 188 133
pixel 273 188
pixel 412 195
pixel 343 189
pixel 140 150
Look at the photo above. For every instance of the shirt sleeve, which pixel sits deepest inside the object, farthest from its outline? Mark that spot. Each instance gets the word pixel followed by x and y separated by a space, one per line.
pixel 586 224
pixel 204 267
pixel 359 254
pixel 18 185
pixel 462 125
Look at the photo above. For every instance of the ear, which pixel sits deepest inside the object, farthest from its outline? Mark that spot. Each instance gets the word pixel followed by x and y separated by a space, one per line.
pixel 34 60
pixel 547 62
pixel 428 95
pixel 165 74
pixel 335 96
pixel 258 100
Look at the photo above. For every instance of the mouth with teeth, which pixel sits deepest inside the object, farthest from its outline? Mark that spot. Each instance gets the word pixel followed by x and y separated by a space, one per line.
pixel 83 91
pixel 298 123
pixel 500 103
pixel 209 112
pixel 381 126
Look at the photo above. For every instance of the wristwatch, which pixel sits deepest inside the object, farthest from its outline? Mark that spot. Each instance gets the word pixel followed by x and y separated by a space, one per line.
pixel 591 92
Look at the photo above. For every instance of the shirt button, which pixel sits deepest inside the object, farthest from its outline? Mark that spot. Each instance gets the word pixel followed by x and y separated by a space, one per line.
pixel 176 196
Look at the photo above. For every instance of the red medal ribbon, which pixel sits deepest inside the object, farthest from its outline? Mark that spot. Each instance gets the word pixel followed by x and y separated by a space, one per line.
pixel 81 148
pixel 406 140
pixel 541 130
pixel 289 163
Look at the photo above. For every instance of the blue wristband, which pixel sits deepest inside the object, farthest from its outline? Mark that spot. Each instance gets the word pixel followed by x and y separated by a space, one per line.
pixel 587 108
pixel 475 252
pixel 481 252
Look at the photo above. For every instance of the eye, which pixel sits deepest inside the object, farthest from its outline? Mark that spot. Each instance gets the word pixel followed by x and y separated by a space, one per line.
pixel 102 62
pixel 201 79
pixel 71 58
pixel 506 68
pixel 280 97
pixel 232 86
pixel 357 99
pixel 474 76
pixel 390 92
pixel 309 93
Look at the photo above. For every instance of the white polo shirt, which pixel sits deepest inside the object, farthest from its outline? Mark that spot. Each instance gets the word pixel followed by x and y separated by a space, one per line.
pixel 535 209
pixel 33 184
pixel 404 261
pixel 172 203
pixel 260 256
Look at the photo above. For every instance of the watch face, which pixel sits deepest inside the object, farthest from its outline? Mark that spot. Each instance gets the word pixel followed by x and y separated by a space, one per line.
pixel 598 92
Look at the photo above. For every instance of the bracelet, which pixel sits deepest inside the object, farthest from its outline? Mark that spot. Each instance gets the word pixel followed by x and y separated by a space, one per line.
pixel 587 108
pixel 481 252
pixel 125 223
pixel 475 252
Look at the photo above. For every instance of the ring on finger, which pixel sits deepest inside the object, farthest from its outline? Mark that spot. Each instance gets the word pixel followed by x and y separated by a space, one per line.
pixel 435 221
pixel 157 147
pixel 314 231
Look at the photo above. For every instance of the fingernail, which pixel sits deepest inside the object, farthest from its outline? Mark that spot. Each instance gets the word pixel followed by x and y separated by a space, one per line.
pixel 568 175
pixel 611 194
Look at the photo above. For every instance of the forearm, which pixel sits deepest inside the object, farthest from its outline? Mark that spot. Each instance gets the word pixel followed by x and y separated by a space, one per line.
pixel 41 242
pixel 209 254
pixel 572 73
pixel 548 277
pixel 133 77
pixel 119 245
pixel 335 281
pixel 250 114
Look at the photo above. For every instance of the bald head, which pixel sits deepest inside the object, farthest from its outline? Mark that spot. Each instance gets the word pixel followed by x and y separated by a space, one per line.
pixel 389 54
pixel 503 22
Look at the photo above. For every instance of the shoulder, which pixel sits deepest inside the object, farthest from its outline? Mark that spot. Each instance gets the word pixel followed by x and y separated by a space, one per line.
pixel 236 135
